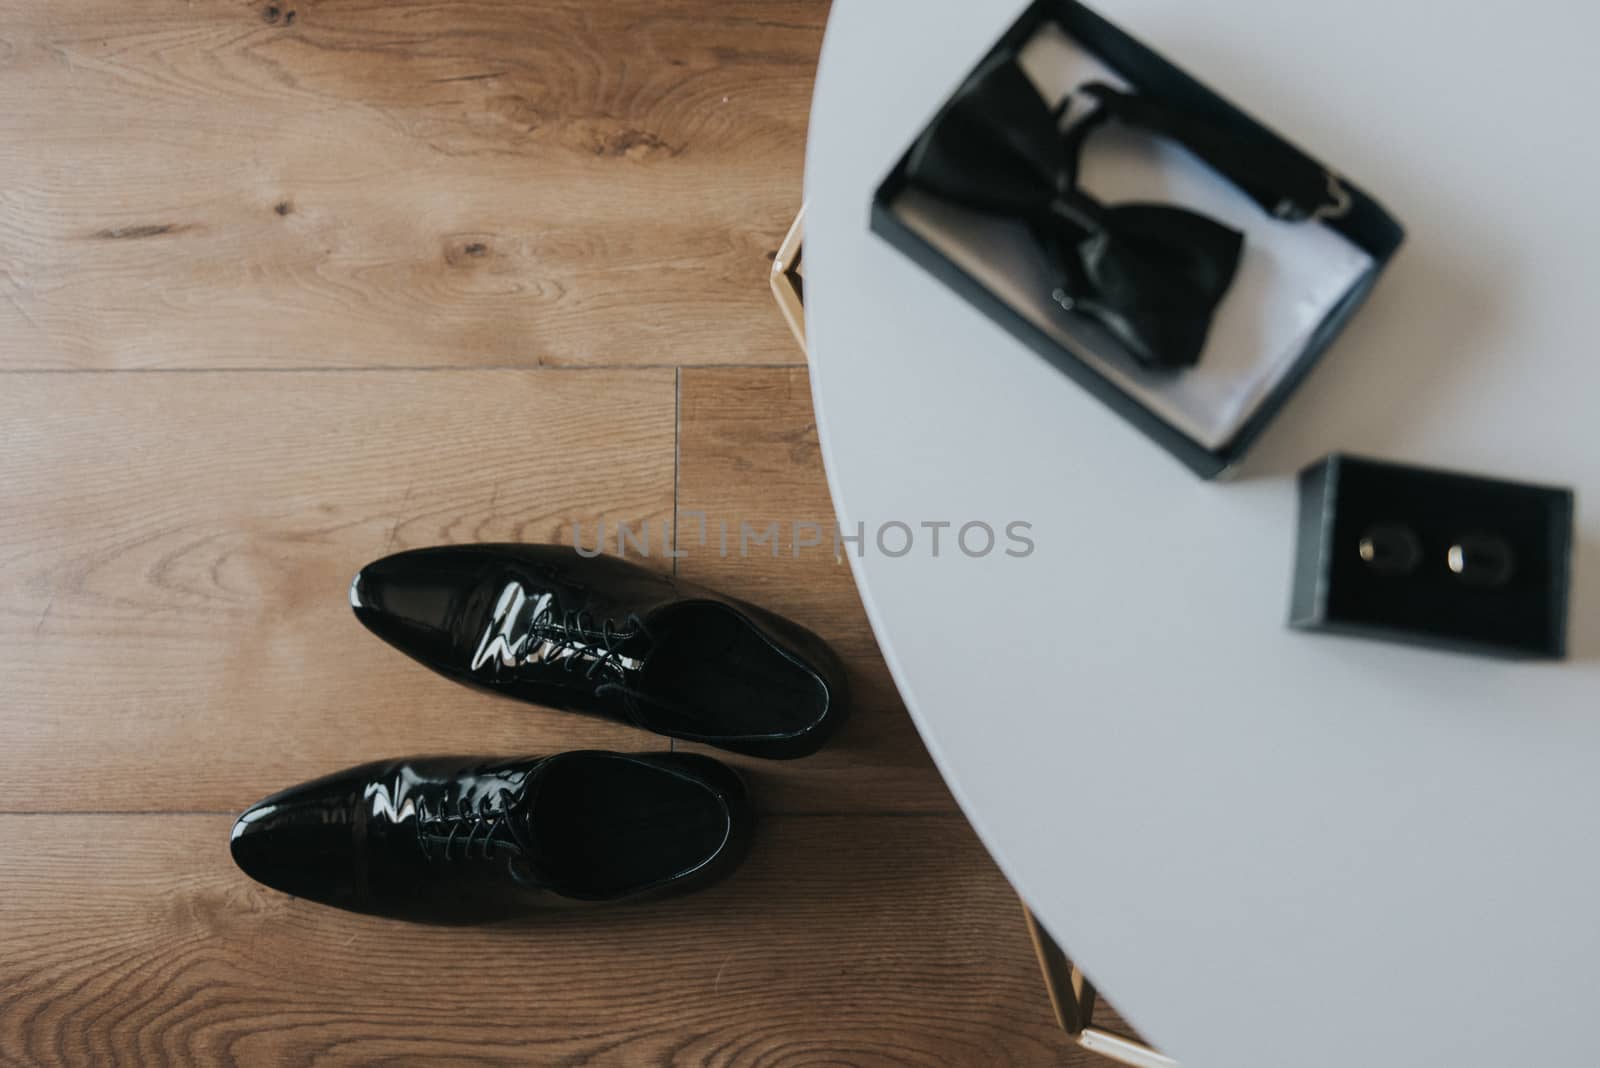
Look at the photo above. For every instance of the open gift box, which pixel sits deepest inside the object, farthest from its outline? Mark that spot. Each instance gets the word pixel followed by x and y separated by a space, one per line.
pixel 1298 275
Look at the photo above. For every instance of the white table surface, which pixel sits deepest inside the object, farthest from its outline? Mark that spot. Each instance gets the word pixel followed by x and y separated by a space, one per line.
pixel 1268 848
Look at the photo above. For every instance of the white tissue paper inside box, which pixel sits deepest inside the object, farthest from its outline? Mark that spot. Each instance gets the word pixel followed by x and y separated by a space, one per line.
pixel 1290 274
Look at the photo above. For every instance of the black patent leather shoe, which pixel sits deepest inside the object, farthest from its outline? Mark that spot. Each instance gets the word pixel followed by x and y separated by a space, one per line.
pixel 610 638
pixel 469 839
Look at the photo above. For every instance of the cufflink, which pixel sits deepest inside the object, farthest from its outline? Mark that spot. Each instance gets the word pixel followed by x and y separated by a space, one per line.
pixel 1481 560
pixel 1390 549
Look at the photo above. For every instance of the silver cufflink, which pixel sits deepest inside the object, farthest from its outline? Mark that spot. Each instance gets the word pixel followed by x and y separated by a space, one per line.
pixel 1390 549
pixel 1481 560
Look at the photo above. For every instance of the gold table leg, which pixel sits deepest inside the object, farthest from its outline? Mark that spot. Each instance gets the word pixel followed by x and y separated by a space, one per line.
pixel 1072 997
pixel 788 278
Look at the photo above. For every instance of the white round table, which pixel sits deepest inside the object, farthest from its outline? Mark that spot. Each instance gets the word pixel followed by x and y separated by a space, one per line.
pixel 1267 848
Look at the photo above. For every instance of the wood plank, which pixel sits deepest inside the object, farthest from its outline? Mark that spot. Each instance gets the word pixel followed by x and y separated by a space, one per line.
pixel 748 454
pixel 176 552
pixel 307 183
pixel 862 941
pixel 296 184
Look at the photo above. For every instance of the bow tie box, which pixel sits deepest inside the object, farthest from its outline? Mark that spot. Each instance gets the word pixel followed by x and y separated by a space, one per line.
pixel 1173 256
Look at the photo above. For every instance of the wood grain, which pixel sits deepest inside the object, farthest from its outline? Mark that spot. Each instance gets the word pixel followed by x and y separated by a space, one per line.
pixel 176 550
pixel 313 227
pixel 356 183
pixel 863 941
pixel 748 456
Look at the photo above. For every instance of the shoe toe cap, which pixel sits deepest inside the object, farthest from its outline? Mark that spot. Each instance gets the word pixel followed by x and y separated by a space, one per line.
pixel 303 841
pixel 423 601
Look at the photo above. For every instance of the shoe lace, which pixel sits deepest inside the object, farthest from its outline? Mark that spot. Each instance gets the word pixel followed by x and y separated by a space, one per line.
pixel 467 829
pixel 573 637
pixel 553 635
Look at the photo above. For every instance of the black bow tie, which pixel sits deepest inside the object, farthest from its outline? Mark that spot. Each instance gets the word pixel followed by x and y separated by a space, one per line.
pixel 1151 274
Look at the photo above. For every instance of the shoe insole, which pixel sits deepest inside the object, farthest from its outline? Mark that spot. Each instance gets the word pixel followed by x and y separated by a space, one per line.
pixel 605 826
pixel 717 677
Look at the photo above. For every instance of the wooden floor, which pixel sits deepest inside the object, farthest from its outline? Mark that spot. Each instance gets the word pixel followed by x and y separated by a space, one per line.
pixel 288 285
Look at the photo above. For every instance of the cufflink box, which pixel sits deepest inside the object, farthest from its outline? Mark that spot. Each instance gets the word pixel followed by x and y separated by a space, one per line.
pixel 1296 285
pixel 1433 557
